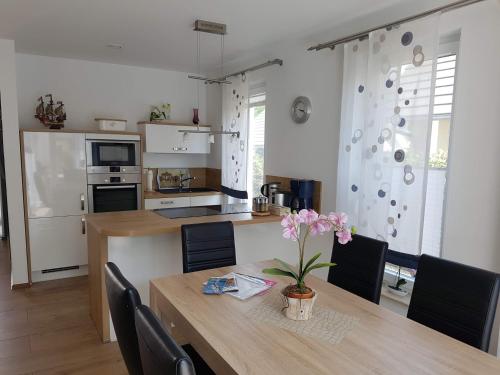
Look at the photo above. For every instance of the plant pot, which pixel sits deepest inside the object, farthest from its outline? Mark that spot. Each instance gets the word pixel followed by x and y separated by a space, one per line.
pixel 298 306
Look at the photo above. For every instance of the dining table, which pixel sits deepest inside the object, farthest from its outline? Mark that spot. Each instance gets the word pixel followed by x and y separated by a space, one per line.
pixel 345 335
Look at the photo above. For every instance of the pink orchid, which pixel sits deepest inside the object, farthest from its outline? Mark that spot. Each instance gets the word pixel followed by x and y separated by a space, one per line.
pixel 344 236
pixel 290 224
pixel 307 217
pixel 338 219
pixel 290 233
pixel 320 226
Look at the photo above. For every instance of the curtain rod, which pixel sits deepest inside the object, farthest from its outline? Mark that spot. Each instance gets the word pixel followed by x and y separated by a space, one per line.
pixel 251 69
pixel 364 34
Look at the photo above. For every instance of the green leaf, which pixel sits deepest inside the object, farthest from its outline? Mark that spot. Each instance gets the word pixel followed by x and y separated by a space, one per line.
pixel 278 272
pixel 319 265
pixel 288 268
pixel 311 261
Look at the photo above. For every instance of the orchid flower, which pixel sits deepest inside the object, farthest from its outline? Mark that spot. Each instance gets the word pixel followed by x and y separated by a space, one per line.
pixel 314 224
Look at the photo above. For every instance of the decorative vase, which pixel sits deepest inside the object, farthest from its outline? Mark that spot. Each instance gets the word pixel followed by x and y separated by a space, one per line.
pixel 298 308
pixel 196 119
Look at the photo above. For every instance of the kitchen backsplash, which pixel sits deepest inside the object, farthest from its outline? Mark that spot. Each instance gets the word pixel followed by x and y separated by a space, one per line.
pixel 170 177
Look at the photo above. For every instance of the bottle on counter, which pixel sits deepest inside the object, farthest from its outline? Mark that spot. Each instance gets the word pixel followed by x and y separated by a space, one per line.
pixel 149 181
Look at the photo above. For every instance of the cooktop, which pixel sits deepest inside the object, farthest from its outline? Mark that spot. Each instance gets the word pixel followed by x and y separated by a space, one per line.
pixel 225 209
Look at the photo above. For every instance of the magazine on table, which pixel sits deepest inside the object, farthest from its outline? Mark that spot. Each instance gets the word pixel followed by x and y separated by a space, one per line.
pixel 220 285
pixel 238 285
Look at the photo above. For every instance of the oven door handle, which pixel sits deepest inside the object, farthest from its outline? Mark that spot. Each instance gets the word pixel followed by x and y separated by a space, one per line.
pixel 115 187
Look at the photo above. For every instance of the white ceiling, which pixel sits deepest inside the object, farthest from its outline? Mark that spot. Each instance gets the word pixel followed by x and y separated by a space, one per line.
pixel 158 33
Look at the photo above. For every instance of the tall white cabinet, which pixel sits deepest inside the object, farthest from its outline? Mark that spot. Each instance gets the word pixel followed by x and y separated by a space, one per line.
pixel 56 200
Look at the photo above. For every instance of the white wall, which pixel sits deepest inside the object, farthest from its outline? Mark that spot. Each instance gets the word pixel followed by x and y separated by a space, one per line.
pixel 12 162
pixel 93 89
pixel 472 222
pixel 309 150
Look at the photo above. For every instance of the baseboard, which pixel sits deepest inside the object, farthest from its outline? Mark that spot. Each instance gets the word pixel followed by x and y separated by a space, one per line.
pixel 20 286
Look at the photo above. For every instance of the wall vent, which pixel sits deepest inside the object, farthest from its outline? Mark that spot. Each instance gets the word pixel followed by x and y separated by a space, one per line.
pixel 50 270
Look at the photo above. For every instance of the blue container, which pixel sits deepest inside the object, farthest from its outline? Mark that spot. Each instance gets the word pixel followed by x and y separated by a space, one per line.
pixel 302 188
pixel 303 191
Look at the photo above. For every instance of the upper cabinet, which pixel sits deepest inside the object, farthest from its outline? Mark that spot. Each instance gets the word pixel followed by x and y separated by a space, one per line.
pixel 169 139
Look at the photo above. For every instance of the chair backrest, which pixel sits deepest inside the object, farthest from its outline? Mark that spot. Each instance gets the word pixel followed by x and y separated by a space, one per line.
pixel 208 245
pixel 457 300
pixel 160 354
pixel 360 266
pixel 123 299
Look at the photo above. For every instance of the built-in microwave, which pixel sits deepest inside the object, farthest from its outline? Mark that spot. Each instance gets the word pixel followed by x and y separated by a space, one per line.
pixel 113 155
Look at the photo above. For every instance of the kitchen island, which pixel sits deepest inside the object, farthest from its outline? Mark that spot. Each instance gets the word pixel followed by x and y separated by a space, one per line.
pixel 145 245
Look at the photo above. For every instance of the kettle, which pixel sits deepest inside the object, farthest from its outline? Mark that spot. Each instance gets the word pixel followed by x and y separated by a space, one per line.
pixel 268 190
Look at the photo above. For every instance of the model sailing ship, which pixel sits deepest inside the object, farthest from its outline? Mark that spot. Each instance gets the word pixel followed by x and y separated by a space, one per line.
pixel 50 114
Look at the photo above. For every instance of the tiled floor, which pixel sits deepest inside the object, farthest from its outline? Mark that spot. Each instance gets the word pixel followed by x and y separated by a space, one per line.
pixel 46 329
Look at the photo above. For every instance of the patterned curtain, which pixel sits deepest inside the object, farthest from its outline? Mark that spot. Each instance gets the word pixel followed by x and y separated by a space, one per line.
pixel 385 130
pixel 234 149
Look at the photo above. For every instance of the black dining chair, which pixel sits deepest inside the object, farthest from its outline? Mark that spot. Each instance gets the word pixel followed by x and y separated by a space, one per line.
pixel 360 266
pixel 123 300
pixel 457 300
pixel 160 354
pixel 207 245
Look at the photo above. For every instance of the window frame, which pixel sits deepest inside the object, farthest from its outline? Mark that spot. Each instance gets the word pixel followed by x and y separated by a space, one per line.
pixel 255 89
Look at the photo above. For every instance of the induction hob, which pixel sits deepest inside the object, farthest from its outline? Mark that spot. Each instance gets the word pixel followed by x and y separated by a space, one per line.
pixel 224 209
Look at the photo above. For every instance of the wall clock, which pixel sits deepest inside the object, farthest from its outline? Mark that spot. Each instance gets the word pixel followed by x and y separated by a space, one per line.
pixel 301 109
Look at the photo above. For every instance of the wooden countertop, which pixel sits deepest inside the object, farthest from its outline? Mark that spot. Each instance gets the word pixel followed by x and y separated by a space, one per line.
pixel 146 223
pixel 158 195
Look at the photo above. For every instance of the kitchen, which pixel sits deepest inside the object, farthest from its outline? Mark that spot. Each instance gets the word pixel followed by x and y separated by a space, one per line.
pixel 159 166
pixel 85 199
pixel 69 174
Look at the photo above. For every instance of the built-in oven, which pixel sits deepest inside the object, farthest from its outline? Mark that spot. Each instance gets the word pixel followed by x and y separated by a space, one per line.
pixel 114 192
pixel 113 155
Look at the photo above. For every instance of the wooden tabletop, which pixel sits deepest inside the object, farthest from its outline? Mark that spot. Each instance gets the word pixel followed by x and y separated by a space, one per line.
pixel 158 195
pixel 146 222
pixel 381 343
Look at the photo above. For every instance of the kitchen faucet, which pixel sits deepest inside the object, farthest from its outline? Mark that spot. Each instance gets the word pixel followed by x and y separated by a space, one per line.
pixel 182 180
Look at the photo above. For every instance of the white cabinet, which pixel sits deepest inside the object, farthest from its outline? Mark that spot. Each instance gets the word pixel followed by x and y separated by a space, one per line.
pixel 57 242
pixel 153 204
pixel 56 174
pixel 195 143
pixel 167 139
pixel 56 198
pixel 206 200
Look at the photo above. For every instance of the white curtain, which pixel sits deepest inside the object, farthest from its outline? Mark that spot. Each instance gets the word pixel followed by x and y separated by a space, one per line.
pixel 385 129
pixel 234 149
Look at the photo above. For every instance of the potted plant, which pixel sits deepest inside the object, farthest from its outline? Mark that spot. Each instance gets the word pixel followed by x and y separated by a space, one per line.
pixel 299 297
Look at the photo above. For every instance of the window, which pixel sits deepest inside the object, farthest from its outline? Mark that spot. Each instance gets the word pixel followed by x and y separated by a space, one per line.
pixel 256 141
pixel 437 160
pixel 438 155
